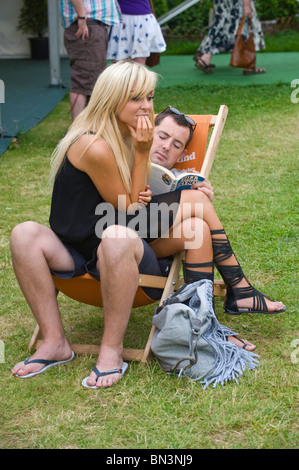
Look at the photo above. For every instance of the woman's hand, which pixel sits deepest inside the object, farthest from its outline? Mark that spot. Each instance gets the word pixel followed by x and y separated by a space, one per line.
pixel 142 136
pixel 247 9
pixel 145 196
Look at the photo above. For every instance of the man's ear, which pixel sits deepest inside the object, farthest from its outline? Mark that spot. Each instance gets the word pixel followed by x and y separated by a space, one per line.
pixel 183 154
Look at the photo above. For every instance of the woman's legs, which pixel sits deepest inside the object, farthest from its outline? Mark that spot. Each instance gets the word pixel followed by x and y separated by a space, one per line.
pixel 198 262
pixel 35 249
pixel 203 62
pixel 140 60
pixel 241 295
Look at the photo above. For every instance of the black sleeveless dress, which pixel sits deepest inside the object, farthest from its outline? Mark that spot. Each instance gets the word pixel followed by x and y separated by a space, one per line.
pixel 79 215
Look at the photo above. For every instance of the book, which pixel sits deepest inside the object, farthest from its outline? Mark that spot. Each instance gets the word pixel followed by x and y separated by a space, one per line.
pixel 163 180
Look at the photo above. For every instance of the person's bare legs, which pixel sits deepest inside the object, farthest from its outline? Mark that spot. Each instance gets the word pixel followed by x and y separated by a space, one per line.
pixel 118 258
pixel 191 203
pixel 77 103
pixel 200 253
pixel 206 58
pixel 34 250
pixel 140 60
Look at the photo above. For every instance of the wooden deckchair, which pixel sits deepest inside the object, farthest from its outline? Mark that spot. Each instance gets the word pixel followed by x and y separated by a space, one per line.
pixel 87 290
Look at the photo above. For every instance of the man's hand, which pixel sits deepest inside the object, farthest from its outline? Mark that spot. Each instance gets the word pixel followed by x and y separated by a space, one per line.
pixel 82 30
pixel 206 187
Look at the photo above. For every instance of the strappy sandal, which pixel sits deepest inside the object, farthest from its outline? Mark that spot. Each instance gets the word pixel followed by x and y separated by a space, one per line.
pixel 232 275
pixel 192 276
pixel 238 293
pixel 202 65
pixel 255 71
pixel 198 55
pixel 245 345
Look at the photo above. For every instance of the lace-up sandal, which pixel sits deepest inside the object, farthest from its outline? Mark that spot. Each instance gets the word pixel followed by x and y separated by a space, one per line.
pixel 232 275
pixel 191 276
pixel 239 293
pixel 198 55
pixel 202 65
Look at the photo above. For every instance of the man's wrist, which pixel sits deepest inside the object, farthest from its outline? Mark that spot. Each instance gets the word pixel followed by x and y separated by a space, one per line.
pixel 81 17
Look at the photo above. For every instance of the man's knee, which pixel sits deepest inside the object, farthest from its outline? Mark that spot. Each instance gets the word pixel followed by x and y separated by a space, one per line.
pixel 120 242
pixel 23 234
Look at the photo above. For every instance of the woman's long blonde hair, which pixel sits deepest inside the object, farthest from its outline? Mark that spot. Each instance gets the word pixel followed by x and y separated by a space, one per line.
pixel 116 85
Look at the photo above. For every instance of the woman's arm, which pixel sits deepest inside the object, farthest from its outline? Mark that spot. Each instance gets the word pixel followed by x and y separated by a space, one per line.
pixel 142 139
pixel 100 164
pixel 247 8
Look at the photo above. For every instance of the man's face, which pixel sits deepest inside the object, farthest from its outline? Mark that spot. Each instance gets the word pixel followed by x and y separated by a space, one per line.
pixel 169 142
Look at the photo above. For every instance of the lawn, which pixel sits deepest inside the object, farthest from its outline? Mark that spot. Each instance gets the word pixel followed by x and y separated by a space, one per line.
pixel 255 176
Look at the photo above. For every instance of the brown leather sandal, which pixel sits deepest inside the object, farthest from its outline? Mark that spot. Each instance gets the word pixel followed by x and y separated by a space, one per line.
pixel 255 71
pixel 202 65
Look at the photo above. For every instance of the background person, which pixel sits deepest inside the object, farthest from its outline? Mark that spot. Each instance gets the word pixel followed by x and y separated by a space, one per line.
pixel 138 35
pixel 222 34
pixel 86 41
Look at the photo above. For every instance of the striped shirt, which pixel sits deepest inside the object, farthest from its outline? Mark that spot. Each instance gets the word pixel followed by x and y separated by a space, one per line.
pixel 106 11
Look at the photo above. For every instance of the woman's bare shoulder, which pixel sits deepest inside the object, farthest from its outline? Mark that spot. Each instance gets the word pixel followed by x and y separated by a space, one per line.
pixel 88 151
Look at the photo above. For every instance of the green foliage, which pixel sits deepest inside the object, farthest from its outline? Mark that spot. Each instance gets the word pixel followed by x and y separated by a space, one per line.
pixel 33 18
pixel 160 7
pixel 195 16
pixel 198 14
pixel 273 9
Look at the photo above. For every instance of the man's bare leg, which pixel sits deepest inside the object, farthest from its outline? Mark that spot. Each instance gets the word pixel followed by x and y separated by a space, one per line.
pixel 35 249
pixel 118 258
pixel 77 103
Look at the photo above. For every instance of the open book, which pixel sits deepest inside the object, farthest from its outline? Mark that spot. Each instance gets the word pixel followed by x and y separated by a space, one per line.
pixel 163 180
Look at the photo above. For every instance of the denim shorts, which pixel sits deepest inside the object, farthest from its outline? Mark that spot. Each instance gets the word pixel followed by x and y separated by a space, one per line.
pixel 148 265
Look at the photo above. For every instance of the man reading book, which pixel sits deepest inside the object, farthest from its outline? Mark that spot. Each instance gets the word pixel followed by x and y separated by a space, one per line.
pixel 173 132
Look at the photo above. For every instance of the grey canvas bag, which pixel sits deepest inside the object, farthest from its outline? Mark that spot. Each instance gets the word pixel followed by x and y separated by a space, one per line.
pixel 190 342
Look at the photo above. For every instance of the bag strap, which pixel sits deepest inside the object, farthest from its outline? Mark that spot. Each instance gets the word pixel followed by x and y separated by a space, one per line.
pixel 239 32
pixel 192 358
pixel 152 7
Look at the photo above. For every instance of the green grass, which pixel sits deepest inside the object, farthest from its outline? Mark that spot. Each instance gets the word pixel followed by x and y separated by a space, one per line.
pixel 284 41
pixel 255 179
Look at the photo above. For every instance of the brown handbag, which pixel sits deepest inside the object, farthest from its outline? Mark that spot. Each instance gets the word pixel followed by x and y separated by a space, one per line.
pixel 154 58
pixel 243 54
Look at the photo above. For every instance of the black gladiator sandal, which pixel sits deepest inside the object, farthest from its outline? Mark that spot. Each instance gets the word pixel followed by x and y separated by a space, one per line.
pixel 232 275
pixel 192 276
